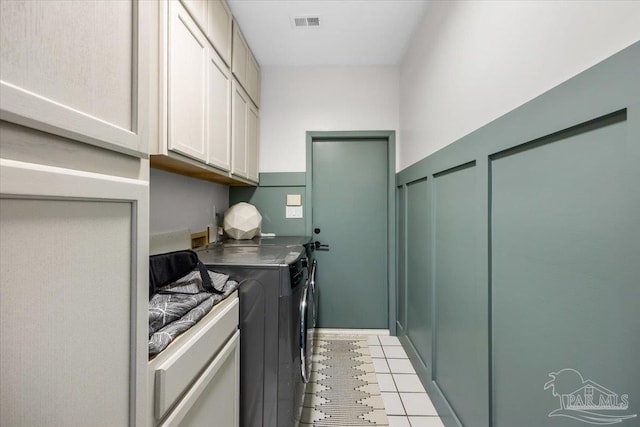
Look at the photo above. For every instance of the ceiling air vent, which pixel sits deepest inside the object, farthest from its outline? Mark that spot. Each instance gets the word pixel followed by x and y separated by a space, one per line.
pixel 305 21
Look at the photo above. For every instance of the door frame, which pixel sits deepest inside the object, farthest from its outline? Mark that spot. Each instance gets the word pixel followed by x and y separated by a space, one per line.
pixel 389 136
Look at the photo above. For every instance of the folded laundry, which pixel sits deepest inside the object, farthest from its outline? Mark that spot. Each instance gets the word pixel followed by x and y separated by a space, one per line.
pixel 177 307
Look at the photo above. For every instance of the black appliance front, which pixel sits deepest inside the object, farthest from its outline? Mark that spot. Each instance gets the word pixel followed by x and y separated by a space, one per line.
pixel 271 385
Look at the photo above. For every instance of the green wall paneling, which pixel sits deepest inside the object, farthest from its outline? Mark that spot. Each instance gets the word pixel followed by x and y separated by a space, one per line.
pixel 527 247
pixel 461 350
pixel 419 289
pixel 271 198
pixel 401 262
pixel 565 271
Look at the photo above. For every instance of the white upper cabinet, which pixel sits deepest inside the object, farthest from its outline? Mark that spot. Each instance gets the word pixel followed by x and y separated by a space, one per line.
pixel 80 73
pixel 187 83
pixel 240 50
pixel 208 119
pixel 218 113
pixel 214 19
pixel 253 78
pixel 245 67
pixel 219 28
pixel 198 10
pixel 198 93
pixel 240 102
pixel 244 135
pixel 252 143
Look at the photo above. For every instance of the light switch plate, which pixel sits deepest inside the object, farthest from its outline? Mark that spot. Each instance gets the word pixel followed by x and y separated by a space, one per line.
pixel 212 232
pixel 294 212
pixel 294 200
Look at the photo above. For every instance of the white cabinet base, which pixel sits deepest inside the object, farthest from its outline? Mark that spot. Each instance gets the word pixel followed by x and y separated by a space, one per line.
pixel 214 399
pixel 196 378
pixel 73 293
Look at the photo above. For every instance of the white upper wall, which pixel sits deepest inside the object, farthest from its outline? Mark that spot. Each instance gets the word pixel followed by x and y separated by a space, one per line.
pixel 296 100
pixel 471 62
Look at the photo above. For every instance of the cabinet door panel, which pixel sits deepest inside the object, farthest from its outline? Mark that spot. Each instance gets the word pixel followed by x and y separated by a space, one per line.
pixel 73 307
pixel 73 69
pixel 253 79
pixel 220 398
pixel 198 10
pixel 188 57
pixel 174 375
pixel 63 314
pixel 239 131
pixel 219 28
pixel 252 143
pixel 219 113
pixel 240 50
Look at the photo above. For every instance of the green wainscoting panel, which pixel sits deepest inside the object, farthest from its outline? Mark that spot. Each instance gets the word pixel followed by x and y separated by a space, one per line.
pixel 419 289
pixel 401 281
pixel 566 270
pixel 522 260
pixel 461 311
pixel 283 179
pixel 271 198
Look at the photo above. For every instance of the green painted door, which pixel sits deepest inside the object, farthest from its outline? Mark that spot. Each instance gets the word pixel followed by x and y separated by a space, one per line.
pixel 350 209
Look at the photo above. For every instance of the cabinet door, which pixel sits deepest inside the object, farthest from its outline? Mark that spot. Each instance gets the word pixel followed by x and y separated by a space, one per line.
pixel 78 70
pixel 253 79
pixel 188 58
pixel 214 397
pixel 220 400
pixel 218 112
pixel 252 143
pixel 198 10
pixel 245 67
pixel 219 28
pixel 240 50
pixel 73 297
pixel 239 101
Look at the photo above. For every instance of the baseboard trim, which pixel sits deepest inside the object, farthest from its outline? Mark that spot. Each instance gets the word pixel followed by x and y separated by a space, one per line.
pixel 352 331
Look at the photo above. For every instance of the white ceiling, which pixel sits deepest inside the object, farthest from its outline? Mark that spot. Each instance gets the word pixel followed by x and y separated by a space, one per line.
pixel 351 32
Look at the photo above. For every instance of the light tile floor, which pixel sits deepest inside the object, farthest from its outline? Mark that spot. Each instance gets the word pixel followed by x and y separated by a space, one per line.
pixel 405 400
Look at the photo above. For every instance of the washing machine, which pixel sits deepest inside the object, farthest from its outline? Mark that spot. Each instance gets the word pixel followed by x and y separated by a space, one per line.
pixel 275 333
pixel 311 264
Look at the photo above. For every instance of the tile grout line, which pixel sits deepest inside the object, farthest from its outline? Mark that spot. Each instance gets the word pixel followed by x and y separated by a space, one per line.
pixel 393 379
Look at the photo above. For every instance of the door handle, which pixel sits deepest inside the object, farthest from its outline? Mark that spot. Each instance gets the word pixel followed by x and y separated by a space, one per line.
pixel 319 245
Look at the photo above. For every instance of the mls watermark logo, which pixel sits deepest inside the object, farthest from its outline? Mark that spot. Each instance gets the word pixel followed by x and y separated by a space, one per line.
pixel 586 400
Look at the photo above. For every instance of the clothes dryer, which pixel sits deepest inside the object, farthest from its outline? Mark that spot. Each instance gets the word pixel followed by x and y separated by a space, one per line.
pixel 274 298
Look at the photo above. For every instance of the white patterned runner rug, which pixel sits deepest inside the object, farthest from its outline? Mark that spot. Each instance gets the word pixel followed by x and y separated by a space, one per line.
pixel 343 389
